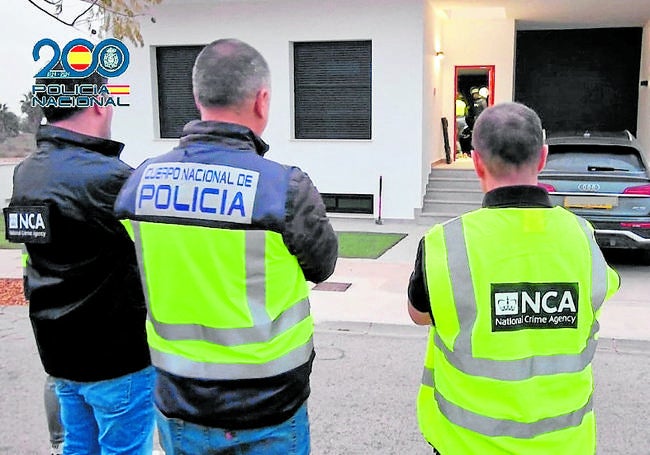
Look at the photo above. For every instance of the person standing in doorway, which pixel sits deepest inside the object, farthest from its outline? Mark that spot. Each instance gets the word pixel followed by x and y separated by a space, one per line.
pixel 476 105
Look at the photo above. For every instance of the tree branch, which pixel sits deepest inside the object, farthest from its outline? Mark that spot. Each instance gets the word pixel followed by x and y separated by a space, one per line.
pixel 58 5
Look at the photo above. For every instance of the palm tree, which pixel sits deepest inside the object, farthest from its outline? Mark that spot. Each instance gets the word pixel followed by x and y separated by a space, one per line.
pixel 34 113
pixel 8 123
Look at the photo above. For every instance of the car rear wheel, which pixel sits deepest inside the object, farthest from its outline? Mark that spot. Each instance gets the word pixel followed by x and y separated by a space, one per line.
pixel 644 257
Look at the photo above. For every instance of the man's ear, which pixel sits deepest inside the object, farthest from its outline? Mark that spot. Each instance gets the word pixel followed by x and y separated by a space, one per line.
pixel 100 111
pixel 479 167
pixel 97 109
pixel 542 158
pixel 262 103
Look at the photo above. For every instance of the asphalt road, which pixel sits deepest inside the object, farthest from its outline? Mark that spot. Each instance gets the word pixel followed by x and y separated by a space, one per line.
pixel 366 375
pixel 364 384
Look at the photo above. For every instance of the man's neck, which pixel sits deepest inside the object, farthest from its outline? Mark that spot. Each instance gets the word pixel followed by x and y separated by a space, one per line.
pixel 77 125
pixel 490 183
pixel 224 115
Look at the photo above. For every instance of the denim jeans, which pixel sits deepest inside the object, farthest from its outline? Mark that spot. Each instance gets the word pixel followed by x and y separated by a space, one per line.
pixel 291 437
pixel 115 416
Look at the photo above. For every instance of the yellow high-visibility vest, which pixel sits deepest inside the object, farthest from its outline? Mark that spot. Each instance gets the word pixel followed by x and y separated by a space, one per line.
pixel 515 295
pixel 461 108
pixel 222 304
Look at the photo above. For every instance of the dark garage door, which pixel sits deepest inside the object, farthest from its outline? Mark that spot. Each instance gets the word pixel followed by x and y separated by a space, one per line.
pixel 580 79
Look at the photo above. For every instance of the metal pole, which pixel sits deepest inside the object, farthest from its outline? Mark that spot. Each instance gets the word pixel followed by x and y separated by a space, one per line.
pixel 378 220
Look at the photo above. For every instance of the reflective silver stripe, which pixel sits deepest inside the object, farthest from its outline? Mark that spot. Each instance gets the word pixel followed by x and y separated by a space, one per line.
pixel 182 366
pixel 427 377
pixel 599 279
pixel 256 277
pixel 519 369
pixel 497 427
pixel 139 252
pixel 462 285
pixel 233 337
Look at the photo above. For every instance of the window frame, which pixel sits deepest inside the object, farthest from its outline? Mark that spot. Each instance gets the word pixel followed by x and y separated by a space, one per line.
pixel 349 197
pixel 366 134
pixel 166 132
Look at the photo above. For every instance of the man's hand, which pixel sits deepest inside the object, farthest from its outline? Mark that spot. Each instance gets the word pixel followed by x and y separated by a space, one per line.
pixel 418 317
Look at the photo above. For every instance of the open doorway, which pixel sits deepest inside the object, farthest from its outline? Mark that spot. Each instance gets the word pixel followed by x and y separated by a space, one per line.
pixel 474 92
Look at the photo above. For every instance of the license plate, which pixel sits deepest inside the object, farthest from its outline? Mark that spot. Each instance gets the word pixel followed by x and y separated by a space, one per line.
pixel 591 202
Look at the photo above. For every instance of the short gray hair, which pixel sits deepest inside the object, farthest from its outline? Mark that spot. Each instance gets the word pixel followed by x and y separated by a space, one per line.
pixel 508 135
pixel 227 72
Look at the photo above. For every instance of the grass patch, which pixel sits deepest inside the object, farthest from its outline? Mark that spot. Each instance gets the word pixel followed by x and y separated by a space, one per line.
pixel 4 243
pixel 367 245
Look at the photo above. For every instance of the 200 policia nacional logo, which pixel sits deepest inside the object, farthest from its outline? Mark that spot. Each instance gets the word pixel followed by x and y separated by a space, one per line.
pixel 80 58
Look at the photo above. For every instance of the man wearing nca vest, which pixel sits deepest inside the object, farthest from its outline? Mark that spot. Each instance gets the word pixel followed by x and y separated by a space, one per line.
pixel 226 240
pixel 513 292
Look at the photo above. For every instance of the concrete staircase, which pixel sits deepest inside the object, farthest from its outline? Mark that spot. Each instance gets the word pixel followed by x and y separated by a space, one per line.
pixel 450 193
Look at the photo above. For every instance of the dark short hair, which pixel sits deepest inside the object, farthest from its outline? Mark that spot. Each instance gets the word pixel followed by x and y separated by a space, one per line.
pixel 508 135
pixel 55 114
pixel 227 72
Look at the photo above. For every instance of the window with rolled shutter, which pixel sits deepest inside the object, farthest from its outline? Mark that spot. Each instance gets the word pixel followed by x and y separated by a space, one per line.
pixel 175 100
pixel 332 89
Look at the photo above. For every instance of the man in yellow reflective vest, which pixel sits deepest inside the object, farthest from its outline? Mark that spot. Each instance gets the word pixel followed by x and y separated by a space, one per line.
pixel 513 292
pixel 226 241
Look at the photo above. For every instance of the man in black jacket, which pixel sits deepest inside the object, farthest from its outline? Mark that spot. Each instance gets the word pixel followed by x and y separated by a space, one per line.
pixel 81 278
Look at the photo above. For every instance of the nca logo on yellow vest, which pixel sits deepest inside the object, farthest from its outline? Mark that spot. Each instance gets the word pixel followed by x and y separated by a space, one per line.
pixel 518 306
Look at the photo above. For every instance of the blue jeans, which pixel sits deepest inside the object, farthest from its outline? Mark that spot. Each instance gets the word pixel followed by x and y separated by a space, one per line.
pixel 291 437
pixel 115 416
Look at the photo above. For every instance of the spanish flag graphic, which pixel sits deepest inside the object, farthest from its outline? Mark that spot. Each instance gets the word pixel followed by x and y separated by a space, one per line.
pixel 80 57
pixel 119 89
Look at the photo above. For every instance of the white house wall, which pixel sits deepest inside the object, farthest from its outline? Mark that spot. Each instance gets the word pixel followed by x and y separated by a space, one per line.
pixel 433 149
pixel 472 42
pixel 395 28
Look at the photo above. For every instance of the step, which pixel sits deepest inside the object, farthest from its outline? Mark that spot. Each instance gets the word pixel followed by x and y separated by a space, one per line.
pixel 465 173
pixel 456 183
pixel 449 208
pixel 449 193
pixel 453 178
pixel 431 219
pixel 460 195
pixel 452 204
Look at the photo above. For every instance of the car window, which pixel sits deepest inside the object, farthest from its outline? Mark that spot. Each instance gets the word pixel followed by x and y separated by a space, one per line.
pixel 593 158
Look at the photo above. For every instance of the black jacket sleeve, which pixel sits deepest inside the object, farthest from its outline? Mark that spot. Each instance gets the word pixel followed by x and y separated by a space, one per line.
pixel 308 233
pixel 417 291
pixel 100 199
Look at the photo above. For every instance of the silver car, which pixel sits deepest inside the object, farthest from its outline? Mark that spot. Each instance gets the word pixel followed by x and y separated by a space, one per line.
pixel 603 177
